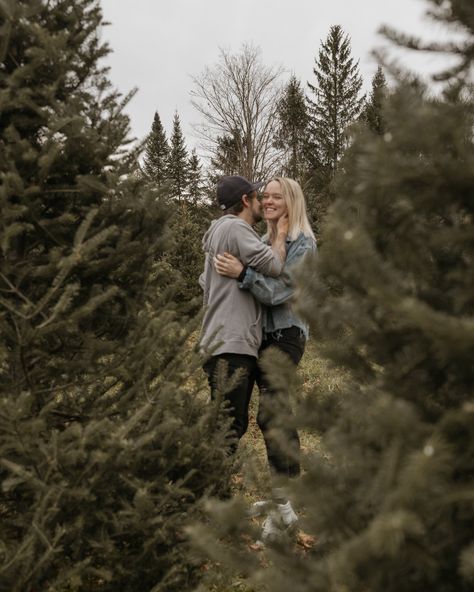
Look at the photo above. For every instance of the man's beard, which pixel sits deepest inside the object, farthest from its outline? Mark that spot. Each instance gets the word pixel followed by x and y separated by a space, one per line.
pixel 257 216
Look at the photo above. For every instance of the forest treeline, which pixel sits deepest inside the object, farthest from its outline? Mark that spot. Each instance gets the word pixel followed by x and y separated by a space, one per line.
pixel 254 124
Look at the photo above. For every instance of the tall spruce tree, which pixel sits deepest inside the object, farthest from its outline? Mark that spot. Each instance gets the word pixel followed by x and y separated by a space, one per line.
pixel 372 112
pixel 178 163
pixel 335 100
pixel 196 183
pixel 189 223
pixel 292 129
pixel 225 160
pixel 334 103
pixel 155 161
pixel 390 301
pixel 395 306
pixel 105 450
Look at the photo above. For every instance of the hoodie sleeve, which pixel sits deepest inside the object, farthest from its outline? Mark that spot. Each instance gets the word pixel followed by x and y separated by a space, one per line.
pixel 245 244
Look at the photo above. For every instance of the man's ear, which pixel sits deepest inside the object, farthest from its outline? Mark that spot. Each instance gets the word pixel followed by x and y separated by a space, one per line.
pixel 246 200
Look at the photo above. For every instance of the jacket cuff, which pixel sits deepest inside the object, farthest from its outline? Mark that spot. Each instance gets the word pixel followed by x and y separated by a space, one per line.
pixel 242 274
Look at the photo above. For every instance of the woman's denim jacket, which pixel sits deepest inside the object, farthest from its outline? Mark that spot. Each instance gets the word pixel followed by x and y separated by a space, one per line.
pixel 276 293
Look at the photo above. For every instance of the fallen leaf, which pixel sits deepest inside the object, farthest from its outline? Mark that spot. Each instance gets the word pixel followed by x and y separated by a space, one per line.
pixel 305 540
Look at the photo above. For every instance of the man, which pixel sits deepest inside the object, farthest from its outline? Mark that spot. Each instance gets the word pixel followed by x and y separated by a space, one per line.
pixel 232 324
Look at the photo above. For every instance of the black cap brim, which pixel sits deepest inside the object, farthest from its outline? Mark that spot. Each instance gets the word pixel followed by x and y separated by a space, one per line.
pixel 258 185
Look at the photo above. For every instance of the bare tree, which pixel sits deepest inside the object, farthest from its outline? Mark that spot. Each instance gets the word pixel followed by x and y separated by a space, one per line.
pixel 238 99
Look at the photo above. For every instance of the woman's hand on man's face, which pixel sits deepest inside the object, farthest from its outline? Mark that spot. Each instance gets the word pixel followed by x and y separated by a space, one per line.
pixel 228 265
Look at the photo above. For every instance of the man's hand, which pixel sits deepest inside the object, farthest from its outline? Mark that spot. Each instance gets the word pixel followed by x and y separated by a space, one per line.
pixel 228 265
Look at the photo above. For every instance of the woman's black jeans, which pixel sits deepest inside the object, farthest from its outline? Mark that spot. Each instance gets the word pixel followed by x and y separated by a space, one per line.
pixel 283 452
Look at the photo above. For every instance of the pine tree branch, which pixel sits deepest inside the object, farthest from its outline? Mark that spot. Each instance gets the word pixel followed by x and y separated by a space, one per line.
pixel 51 548
pixel 15 290
pixel 15 312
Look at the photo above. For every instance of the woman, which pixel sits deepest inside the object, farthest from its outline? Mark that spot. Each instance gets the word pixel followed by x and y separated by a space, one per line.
pixel 283 330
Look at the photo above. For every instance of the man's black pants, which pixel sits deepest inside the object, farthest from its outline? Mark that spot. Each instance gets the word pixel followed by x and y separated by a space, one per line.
pixel 239 396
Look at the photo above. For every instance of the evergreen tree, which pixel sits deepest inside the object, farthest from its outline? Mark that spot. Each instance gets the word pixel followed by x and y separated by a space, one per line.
pixel 394 311
pixel 226 158
pixel 105 449
pixel 390 301
pixel 334 104
pixel 372 113
pixel 196 183
pixel 178 162
pixel 157 150
pixel 291 134
pixel 189 223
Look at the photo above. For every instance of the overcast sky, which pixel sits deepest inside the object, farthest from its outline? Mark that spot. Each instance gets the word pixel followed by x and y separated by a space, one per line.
pixel 158 45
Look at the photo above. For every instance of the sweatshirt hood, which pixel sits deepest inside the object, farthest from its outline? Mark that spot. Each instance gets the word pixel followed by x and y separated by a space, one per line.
pixel 215 225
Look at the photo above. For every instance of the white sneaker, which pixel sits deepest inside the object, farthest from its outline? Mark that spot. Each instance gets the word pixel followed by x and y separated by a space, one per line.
pixel 288 517
pixel 271 529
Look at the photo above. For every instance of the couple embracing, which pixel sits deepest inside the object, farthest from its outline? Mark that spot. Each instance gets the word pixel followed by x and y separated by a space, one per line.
pixel 248 289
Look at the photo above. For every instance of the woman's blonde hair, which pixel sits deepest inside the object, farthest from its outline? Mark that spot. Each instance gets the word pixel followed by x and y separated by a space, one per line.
pixel 296 206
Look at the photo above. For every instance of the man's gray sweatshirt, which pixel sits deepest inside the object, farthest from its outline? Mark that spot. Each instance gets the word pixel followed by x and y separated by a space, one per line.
pixel 233 318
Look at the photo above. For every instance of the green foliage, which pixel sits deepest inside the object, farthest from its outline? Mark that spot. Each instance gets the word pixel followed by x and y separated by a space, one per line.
pixel 196 187
pixel 393 286
pixel 178 163
pixel 333 105
pixel 226 158
pixel 180 183
pixel 335 101
pixel 155 161
pixel 64 216
pixel 185 254
pixel 104 502
pixel 372 112
pixel 410 219
pixel 292 130
pixel 105 450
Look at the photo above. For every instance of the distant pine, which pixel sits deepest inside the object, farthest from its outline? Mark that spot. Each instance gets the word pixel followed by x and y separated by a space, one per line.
pixel 334 100
pixel 292 129
pixel 157 151
pixel 178 167
pixel 372 112
pixel 334 103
